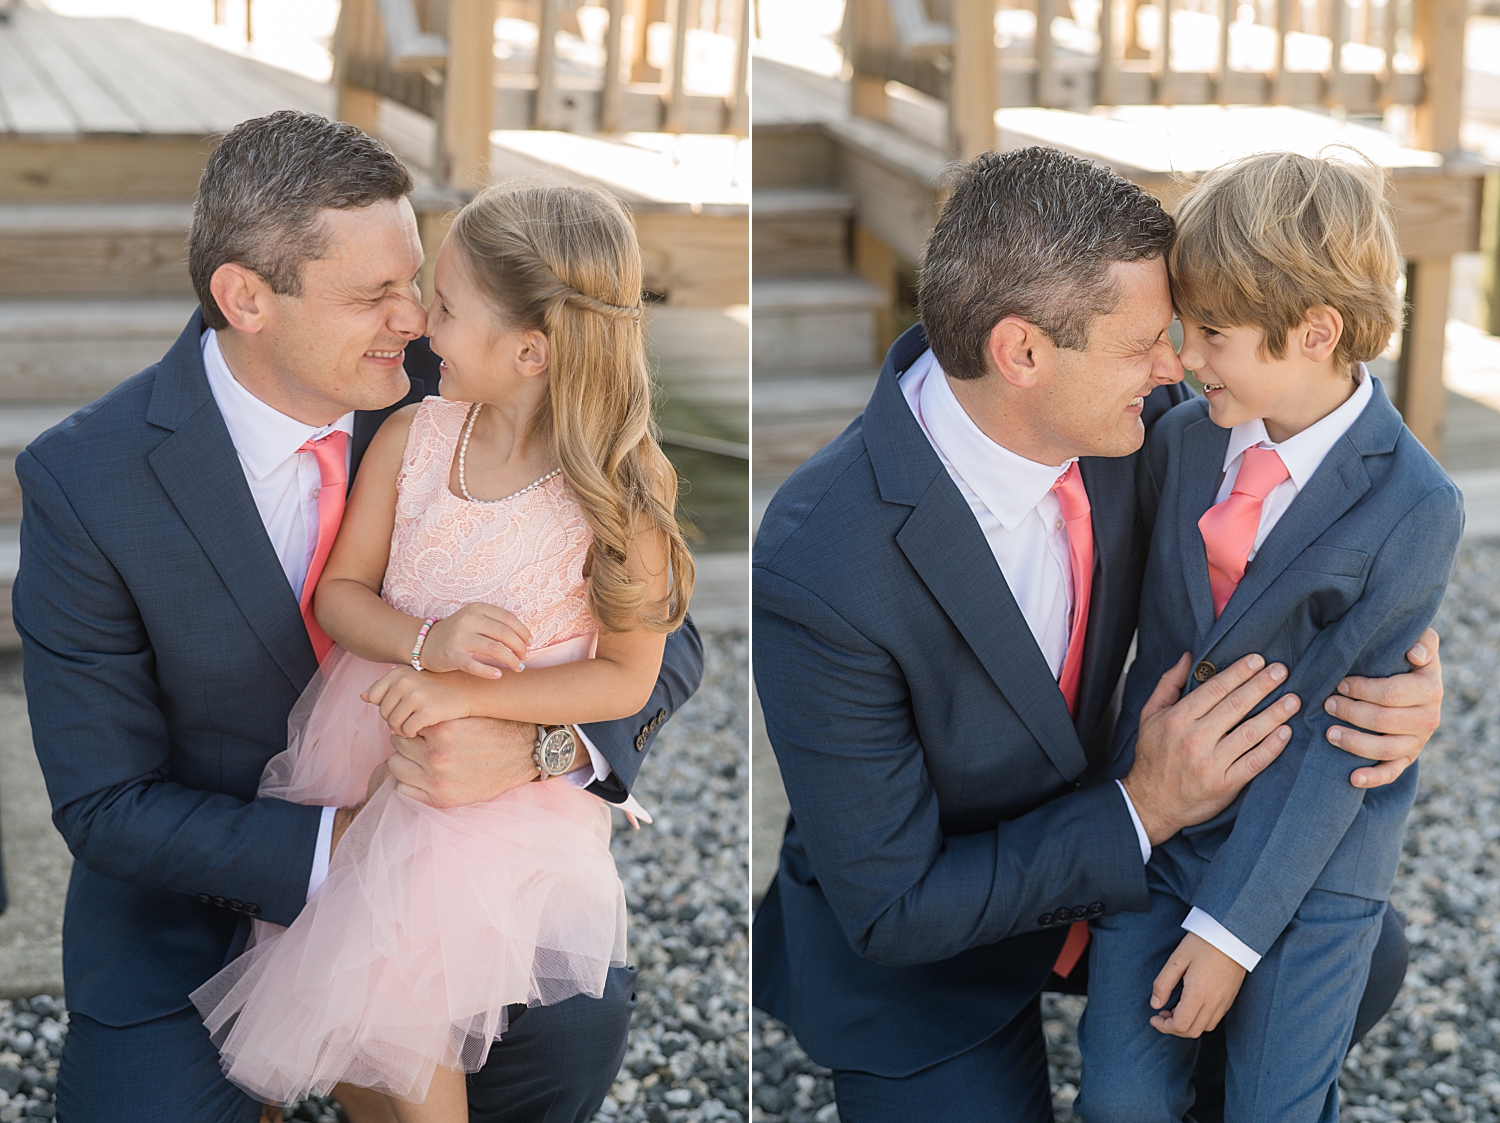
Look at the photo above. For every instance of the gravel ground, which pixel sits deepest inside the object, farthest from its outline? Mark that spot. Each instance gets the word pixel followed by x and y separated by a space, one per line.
pixel 1436 1055
pixel 686 879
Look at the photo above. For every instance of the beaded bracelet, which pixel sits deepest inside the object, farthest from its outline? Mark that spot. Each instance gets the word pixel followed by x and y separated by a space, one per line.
pixel 416 651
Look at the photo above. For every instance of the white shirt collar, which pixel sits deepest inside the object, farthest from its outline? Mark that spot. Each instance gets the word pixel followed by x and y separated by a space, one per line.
pixel 1303 452
pixel 264 437
pixel 1008 484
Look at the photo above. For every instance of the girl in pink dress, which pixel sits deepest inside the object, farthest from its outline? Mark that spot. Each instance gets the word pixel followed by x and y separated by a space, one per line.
pixel 529 513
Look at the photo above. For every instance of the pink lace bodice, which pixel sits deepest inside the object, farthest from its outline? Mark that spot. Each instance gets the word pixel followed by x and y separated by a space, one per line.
pixel 525 554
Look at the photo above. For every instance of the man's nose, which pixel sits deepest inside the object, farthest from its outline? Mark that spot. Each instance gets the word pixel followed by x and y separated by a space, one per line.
pixel 408 318
pixel 1166 366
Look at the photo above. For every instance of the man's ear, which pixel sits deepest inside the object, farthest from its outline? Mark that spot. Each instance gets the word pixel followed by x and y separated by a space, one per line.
pixel 1320 332
pixel 242 296
pixel 534 354
pixel 1016 350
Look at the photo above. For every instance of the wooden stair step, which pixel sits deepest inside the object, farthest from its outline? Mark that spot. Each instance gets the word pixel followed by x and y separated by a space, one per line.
pixel 55 249
pixel 19 426
pixel 74 350
pixel 797 414
pixel 814 323
pixel 10 560
pixel 801 230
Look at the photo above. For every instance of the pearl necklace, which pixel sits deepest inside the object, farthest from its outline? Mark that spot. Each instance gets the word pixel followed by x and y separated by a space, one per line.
pixel 463 450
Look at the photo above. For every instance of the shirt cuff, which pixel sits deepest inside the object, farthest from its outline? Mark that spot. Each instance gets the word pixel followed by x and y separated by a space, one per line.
pixel 1140 830
pixel 1199 923
pixel 322 852
pixel 582 777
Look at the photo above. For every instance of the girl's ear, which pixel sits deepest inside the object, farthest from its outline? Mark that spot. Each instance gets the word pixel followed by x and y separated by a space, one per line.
pixel 533 354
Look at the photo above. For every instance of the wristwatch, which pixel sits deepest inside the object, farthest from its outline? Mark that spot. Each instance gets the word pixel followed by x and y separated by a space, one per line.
pixel 556 749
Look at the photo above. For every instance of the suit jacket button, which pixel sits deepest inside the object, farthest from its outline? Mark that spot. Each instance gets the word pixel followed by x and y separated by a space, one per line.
pixel 253 909
pixel 1045 920
pixel 1205 671
pixel 236 905
pixel 221 902
pixel 205 898
pixel 640 743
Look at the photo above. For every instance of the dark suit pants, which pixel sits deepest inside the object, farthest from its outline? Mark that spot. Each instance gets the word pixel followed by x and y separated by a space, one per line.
pixel 555 1065
pixel 1005 1080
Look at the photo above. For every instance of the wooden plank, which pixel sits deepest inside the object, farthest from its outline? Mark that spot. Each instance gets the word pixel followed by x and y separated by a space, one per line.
pixel 1420 388
pixel 195 74
pixel 697 260
pixel 29 104
pixel 468 96
pixel 1437 215
pixel 129 250
pixel 92 42
pixel 92 103
pixel 126 168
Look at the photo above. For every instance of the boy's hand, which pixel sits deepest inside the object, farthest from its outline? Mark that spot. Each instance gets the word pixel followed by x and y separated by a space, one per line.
pixel 479 639
pixel 1210 980
pixel 411 700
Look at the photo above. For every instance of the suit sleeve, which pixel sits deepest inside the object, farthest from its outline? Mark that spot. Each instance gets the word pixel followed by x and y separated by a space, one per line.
pixel 625 743
pixel 839 717
pixel 1296 812
pixel 103 740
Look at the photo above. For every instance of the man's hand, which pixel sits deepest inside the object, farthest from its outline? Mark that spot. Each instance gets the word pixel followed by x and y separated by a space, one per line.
pixel 1194 754
pixel 342 818
pixel 455 763
pixel 1403 711
pixel 1210 981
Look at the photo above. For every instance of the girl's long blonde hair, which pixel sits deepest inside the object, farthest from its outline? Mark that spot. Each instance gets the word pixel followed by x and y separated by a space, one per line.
pixel 565 261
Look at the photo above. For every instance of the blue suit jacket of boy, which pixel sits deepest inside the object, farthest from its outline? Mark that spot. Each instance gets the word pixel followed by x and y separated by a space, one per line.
pixel 948 815
pixel 163 652
pixel 1343 585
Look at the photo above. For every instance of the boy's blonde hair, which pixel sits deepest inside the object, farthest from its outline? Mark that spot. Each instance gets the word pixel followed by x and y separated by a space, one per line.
pixel 1262 239
pixel 565 261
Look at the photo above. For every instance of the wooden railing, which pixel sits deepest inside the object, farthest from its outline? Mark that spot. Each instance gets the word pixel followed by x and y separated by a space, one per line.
pixel 1361 58
pixel 439 58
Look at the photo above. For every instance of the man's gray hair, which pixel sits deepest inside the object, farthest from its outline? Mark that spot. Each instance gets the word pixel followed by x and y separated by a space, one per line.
pixel 1030 233
pixel 261 195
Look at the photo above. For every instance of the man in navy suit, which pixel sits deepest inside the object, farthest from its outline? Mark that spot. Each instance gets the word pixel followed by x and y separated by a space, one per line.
pixel 168 530
pixel 943 605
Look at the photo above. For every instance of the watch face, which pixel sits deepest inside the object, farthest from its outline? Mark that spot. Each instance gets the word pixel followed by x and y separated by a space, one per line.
pixel 557 752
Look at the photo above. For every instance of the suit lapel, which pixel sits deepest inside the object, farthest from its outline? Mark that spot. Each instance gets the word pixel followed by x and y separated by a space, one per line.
pixel 200 471
pixel 1203 446
pixel 1111 491
pixel 1335 487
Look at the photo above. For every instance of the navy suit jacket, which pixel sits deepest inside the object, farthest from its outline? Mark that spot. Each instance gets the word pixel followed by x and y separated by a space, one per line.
pixel 948 816
pixel 163 652
pixel 1344 584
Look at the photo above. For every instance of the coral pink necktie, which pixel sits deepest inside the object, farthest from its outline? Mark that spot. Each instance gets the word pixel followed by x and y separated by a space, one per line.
pixel 1229 528
pixel 332 452
pixel 1074 501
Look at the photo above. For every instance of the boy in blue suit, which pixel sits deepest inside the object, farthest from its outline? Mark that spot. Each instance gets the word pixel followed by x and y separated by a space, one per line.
pixel 1297 517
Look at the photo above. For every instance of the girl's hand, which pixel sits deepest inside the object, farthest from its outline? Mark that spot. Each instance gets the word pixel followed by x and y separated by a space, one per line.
pixel 479 639
pixel 411 700
pixel 1210 981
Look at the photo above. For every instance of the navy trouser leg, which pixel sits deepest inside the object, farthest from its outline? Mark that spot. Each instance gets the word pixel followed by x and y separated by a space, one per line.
pixel 556 1064
pixel 1003 1079
pixel 162 1069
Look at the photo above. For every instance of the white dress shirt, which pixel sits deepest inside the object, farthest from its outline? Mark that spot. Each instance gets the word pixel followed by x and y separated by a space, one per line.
pixel 284 484
pixel 1301 454
pixel 1013 502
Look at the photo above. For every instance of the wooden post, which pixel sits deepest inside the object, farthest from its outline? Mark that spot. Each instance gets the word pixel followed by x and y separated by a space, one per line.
pixel 1107 89
pixel 1046 57
pixel 544 109
pixel 972 99
pixel 872 37
pixel 643 12
pixel 358 106
pixel 249 26
pixel 1338 32
pixel 1439 40
pixel 1133 48
pixel 1165 93
pixel 1226 17
pixel 1420 392
pixel 676 121
pixel 1388 43
pixel 1283 28
pixel 469 93
pixel 612 97
pixel 739 108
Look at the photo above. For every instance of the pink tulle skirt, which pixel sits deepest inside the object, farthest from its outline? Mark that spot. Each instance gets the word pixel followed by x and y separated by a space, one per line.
pixel 429 925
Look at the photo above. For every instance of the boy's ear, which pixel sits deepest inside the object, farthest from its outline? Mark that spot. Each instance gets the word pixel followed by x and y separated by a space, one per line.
pixel 1320 332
